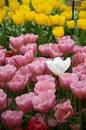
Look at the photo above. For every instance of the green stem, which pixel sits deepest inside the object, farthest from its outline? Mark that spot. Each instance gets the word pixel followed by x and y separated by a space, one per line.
pixel 74 104
pixel 80 116
pixel 6 90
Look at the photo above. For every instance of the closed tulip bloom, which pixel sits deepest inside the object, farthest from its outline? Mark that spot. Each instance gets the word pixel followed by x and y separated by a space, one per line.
pixel 65 44
pixel 25 71
pixel 16 42
pixel 79 69
pixel 78 89
pixel 44 101
pixel 66 78
pixel 58 66
pixel 54 50
pixel 70 24
pixel 2 99
pixel 18 83
pixel 20 60
pixel 63 111
pixel 81 24
pixel 28 47
pixel 45 77
pixel 81 49
pixel 24 102
pixel 30 38
pixel 51 50
pixel 44 86
pixel 12 118
pixel 58 32
pixel 37 67
pixel 78 58
pixel 82 14
pixel 7 72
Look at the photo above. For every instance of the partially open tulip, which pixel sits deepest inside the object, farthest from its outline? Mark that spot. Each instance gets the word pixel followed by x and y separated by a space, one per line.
pixel 16 42
pixel 58 66
pixel 24 102
pixel 78 89
pixel 45 85
pixel 12 118
pixel 44 101
pixel 30 38
pixel 63 111
pixel 7 72
pixel 66 78
pixel 18 83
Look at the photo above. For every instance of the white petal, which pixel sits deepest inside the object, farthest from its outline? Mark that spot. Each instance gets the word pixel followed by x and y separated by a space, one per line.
pixel 67 64
pixel 50 64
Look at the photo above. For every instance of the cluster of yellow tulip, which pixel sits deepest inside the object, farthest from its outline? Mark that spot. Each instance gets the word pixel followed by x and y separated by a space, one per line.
pixel 55 15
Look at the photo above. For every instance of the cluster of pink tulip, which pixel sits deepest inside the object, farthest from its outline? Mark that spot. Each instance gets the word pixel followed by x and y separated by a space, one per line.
pixel 31 86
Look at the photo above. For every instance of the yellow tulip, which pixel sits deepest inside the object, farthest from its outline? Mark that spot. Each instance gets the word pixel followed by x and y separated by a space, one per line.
pixel 82 14
pixel 81 24
pixel 2 3
pixel 58 31
pixel 70 24
pixel 18 19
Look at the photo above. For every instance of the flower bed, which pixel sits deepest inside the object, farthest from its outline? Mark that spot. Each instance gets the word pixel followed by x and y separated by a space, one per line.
pixel 42 87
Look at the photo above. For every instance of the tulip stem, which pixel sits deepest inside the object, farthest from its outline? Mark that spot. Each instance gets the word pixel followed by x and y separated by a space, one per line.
pixel 74 107
pixel 6 90
pixel 80 116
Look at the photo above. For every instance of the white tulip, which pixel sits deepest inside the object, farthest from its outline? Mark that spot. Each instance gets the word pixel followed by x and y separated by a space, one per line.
pixel 58 66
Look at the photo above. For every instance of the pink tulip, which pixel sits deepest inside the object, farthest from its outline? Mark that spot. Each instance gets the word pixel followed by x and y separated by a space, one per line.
pixel 2 99
pixel 12 119
pixel 28 47
pixel 66 78
pixel 37 67
pixel 24 102
pixel 50 49
pixel 45 77
pixel 54 50
pixel 65 44
pixel 78 89
pixel 2 56
pixel 16 42
pixel 78 58
pixel 18 83
pixel 20 60
pixel 45 85
pixel 80 49
pixel 7 72
pixel 44 101
pixel 52 122
pixel 63 111
pixel 79 69
pixel 30 38
pixel 44 49
pixel 25 71
pixel 62 39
